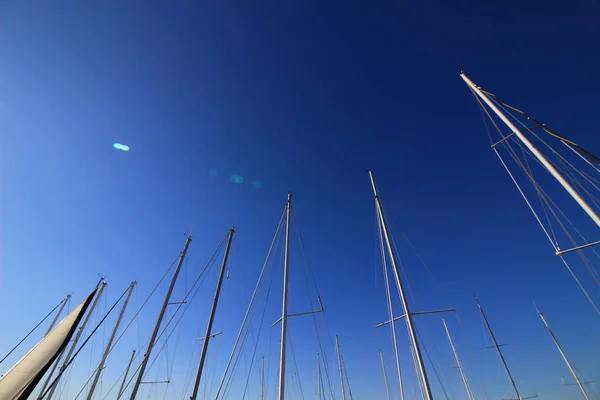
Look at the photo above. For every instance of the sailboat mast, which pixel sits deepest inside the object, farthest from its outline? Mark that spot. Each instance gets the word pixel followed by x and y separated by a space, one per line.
pixel 460 367
pixel 110 341
pixel 212 315
pixel 125 376
pixel 62 307
pixel 285 300
pixel 319 375
pixel 159 320
pixel 262 379
pixel 407 314
pixel 337 345
pixel 387 388
pixel 73 344
pixel 564 356
pixel 589 211
pixel 489 328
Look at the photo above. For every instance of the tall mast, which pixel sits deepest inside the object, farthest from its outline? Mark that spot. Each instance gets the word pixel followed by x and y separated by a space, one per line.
pixel 284 315
pixel 110 342
pixel 387 388
pixel 337 345
pixel 212 316
pixel 122 388
pixel 407 314
pixel 62 307
pixel 460 367
pixel 262 379
pixel 159 320
pixel 73 344
pixel 589 211
pixel 489 328
pixel 564 356
pixel 319 376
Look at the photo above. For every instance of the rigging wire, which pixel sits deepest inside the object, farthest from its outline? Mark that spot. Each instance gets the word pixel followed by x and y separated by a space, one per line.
pixel 389 307
pixel 81 347
pixel 274 241
pixel 195 288
pixel 308 269
pixel 31 331
pixel 553 242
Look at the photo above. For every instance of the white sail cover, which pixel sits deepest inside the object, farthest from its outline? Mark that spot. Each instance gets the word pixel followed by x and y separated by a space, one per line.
pixel 17 380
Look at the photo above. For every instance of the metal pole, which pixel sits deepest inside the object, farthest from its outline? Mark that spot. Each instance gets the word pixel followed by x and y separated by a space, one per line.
pixel 387 388
pixel 319 375
pixel 460 367
pixel 285 300
pixel 392 324
pixel 512 381
pixel 408 319
pixel 589 211
pixel 146 357
pixel 110 341
pixel 62 307
pixel 212 316
pixel 262 380
pixel 74 343
pixel 125 377
pixel 337 345
pixel 564 356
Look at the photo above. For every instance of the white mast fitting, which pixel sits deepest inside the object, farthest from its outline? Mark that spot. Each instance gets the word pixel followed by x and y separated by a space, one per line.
pixel 588 210
pixel 564 356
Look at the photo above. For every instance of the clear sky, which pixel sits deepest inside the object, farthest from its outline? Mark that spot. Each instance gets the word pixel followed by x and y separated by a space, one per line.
pixel 227 106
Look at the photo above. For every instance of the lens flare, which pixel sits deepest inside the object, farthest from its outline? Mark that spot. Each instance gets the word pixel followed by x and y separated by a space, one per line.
pixel 238 179
pixel 121 147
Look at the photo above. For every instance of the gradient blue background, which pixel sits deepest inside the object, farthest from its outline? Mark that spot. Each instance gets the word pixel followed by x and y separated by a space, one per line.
pixel 303 97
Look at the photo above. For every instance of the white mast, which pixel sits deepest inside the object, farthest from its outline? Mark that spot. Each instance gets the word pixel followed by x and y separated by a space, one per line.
pixel 125 376
pixel 407 314
pixel 262 379
pixel 284 315
pixel 319 376
pixel 62 307
pixel 337 345
pixel 387 389
pixel 460 367
pixel 73 344
pixel 589 211
pixel 512 381
pixel 212 316
pixel 159 320
pixel 110 342
pixel 564 356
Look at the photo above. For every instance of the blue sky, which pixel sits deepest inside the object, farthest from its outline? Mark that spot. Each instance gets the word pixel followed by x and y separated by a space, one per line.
pixel 301 98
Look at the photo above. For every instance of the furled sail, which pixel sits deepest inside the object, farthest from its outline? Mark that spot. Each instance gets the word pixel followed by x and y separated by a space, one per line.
pixel 19 381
